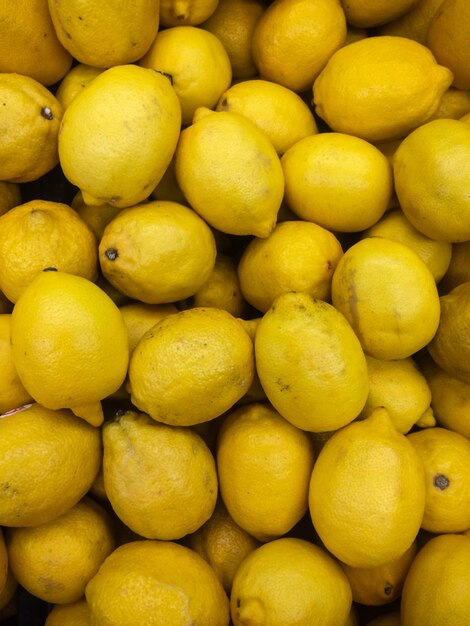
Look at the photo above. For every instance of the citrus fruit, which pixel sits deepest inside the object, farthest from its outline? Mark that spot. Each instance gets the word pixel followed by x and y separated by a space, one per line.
pixel 459 267
pixel 10 196
pixel 185 12
pixel 140 317
pixel 96 217
pixel 12 392
pixel 222 289
pixel 70 614
pixel 75 81
pixel 369 13
pixel 414 24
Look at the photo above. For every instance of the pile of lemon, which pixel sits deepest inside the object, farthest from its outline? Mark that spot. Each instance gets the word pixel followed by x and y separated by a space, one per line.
pixel 235 363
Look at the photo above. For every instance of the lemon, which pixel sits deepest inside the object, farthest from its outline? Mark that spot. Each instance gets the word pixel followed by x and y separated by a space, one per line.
pixel 168 188
pixel 10 196
pixel 29 44
pixel 354 95
pixel 160 480
pixel 191 367
pixel 368 13
pixel 455 103
pixel 70 614
pixel 338 181
pixel 459 267
pixel 230 173
pixel 48 461
pixel 381 585
pixel 110 165
pixel 12 392
pixel 80 539
pixel 367 492
pixel 104 36
pixel 265 492
pixel 414 24
pixel 288 582
pixel 153 583
pixel 277 110
pixel 297 256
pixel 431 172
pixel 186 12
pixel 140 317
pixel 70 344
pixel 222 289
pixel 41 234
pixel 3 563
pixel 157 252
pixel 31 116
pixel 388 295
pixel 396 226
pixel 96 217
pixel 400 387
pixel 294 39
pixel 234 22
pixel 197 64
pixel 441 564
pixel 310 363
pixel 223 544
pixel 74 82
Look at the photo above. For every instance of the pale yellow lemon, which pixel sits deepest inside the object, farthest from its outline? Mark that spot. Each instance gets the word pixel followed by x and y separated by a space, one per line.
pixel 12 392
pixel 369 13
pixel 70 614
pixel 414 24
pixel 140 317
pixel 31 116
pixel 48 461
pixel 338 181
pixel 157 252
pixel 388 295
pixel 288 582
pixel 222 289
pixel 459 267
pixel 254 478
pixel 297 256
pixel 97 217
pixel 10 196
pixel 153 583
pixel 294 39
pixel 41 234
pixel 75 81
pixel 230 173
pixel 310 363
pixel 367 492
pixel 110 165
pixel 197 64
pixel 185 12
pixel 353 94
pixel 277 110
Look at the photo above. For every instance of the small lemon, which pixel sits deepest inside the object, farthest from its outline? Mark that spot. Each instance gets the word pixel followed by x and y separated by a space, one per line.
pixel 140 317
pixel 367 492
pixel 197 64
pixel 74 82
pixel 191 367
pixel 310 363
pixel 338 181
pixel 414 24
pixel 96 217
pixel 297 256
pixel 277 110
pixel 230 173
pixel 294 39
pixel 70 614
pixel 97 156
pixel 222 289
pixel 154 583
pixel 388 295
pixel 288 582
pixel 354 95
pixel 12 392
pixel 48 461
pixel 459 267
pixel 265 492
pixel 10 196
pixel 185 12
pixel 79 540
pixel 369 13
pixel 31 116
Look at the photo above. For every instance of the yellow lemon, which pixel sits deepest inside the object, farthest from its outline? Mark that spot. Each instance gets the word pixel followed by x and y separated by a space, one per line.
pixel 191 367
pixel 74 82
pixel 153 583
pixel 29 43
pixel 277 110
pixel 459 267
pixel 48 461
pixel 160 480
pixel 294 39
pixel 3 563
pixel 431 170
pixel 288 582
pixel 222 289
pixel 386 619
pixel 265 492
pixel 230 173
pixel 70 344
pixel 414 24
pixel 12 392
pixel 446 459
pixel 354 95
pixel 338 181
pixel 110 165
pixel 223 544
pixel 96 217
pixel 197 64
pixel 369 13
pixel 104 36
pixel 168 188
pixel 388 295
pixel 376 586
pixel 367 492
pixel 70 614
pixel 31 116
pixel 310 363
pixel 400 387
pixel 10 196
pixel 455 103
pixel 297 256
pixel 41 234
pixel 442 563
pixel 140 317
pixel 234 22
pixel 396 226
pixel 186 12
pixel 54 561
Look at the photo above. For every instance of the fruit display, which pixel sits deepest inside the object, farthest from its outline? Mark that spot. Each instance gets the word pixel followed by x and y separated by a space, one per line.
pixel 235 313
